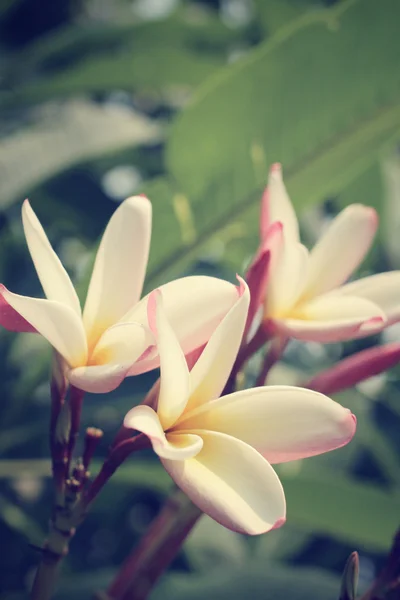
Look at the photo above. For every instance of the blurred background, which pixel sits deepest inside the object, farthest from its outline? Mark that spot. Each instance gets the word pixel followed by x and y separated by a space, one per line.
pixel 190 101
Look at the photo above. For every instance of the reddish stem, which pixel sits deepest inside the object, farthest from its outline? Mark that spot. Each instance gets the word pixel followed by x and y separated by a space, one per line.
pixel 156 550
pixel 271 358
pixel 116 457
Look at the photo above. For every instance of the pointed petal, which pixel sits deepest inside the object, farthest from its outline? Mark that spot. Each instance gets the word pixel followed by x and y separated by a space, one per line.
pixel 333 318
pixel 58 323
pixel 282 422
pixel 194 307
pixel 174 447
pixel 232 483
pixel 341 249
pixel 54 278
pixel 115 353
pixel 383 289
pixel 288 272
pixel 350 371
pixel 10 319
pixel 120 266
pixel 276 206
pixel 210 373
pixel 174 373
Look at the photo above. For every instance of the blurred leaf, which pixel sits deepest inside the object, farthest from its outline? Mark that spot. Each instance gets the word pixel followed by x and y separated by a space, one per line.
pixel 351 511
pixel 321 96
pixel 18 520
pixel 253 580
pixel 180 50
pixel 391 207
pixel 367 188
pixel 210 547
pixel 63 136
pixel 275 14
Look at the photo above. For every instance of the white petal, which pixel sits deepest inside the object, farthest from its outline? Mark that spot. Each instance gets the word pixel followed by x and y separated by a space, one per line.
pixel 175 447
pixel 282 422
pixel 276 206
pixel 115 353
pixel 174 373
pixel 288 272
pixel 383 289
pixel 120 266
pixel 54 278
pixel 232 483
pixel 210 373
pixel 98 379
pixel 341 249
pixel 333 318
pixel 122 343
pixel 58 323
pixel 194 307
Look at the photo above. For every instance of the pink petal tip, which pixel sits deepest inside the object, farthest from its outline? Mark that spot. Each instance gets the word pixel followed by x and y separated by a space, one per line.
pixel 279 523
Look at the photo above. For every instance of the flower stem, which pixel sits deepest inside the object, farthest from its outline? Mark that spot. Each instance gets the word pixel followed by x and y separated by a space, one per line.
pixel 271 358
pixel 62 528
pixel 156 550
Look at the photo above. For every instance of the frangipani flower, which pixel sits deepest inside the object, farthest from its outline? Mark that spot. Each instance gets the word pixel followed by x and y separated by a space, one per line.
pixel 110 340
pixel 303 292
pixel 218 450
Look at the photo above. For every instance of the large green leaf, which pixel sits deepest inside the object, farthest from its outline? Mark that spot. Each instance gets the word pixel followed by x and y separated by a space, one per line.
pixel 321 96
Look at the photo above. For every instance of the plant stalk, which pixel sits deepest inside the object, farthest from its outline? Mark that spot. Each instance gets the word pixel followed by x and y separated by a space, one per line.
pixel 156 550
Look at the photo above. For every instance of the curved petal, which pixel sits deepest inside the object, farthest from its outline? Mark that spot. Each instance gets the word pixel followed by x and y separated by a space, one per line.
pixel 383 289
pixel 341 249
pixel 98 379
pixel 232 483
pixel 332 318
pixel 123 343
pixel 282 422
pixel 58 323
pixel 194 307
pixel 10 319
pixel 288 272
pixel 276 206
pixel 210 373
pixel 174 447
pixel 174 373
pixel 54 278
pixel 115 353
pixel 120 266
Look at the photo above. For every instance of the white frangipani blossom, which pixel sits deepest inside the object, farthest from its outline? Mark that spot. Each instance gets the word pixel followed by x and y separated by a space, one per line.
pixel 219 450
pixel 110 339
pixel 303 294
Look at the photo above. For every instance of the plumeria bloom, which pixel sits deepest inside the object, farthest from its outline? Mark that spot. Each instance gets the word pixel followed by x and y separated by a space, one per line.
pixel 302 292
pixel 110 339
pixel 218 450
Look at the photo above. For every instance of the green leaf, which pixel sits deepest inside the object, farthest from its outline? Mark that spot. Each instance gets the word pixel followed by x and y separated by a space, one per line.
pixel 253 580
pixel 18 520
pixel 321 96
pixel 151 55
pixel 350 511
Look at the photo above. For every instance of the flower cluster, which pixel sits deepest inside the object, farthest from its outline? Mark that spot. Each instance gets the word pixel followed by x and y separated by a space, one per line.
pixel 217 444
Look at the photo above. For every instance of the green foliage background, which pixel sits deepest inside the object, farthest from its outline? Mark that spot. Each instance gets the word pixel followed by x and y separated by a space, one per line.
pixel 190 102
